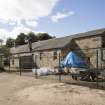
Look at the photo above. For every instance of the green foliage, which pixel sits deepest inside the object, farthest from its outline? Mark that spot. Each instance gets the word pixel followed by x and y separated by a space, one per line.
pixel 1 67
pixel 5 51
pixel 4 55
pixel 10 42
pixel 32 37
pixel 20 40
pixel 43 36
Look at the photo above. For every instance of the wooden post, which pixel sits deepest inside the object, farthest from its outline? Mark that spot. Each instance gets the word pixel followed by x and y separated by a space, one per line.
pixel 20 66
pixel 9 64
pixel 36 76
pixel 59 69
pixel 97 66
pixel 35 66
pixel 101 50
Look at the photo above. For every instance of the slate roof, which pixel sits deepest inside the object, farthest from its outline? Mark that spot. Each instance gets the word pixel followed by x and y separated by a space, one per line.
pixel 89 33
pixel 20 49
pixel 55 43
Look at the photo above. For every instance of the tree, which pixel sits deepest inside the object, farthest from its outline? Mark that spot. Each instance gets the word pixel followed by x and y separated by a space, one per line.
pixel 20 40
pixel 10 42
pixel 4 56
pixel 32 37
pixel 5 50
pixel 43 36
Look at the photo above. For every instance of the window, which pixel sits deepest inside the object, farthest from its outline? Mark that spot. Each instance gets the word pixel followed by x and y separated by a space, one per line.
pixel 55 55
pixel 88 60
pixel 103 41
pixel 12 61
pixel 41 56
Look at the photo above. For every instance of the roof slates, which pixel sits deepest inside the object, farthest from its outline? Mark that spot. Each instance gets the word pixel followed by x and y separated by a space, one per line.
pixel 54 43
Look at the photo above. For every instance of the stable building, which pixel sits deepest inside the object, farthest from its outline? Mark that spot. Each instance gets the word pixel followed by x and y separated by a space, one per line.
pixel 47 53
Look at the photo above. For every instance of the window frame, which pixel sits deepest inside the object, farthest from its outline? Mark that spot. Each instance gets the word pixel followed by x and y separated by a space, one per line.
pixel 41 55
pixel 55 55
pixel 13 61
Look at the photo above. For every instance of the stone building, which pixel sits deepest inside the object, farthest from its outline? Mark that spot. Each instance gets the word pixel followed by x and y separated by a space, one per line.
pixel 48 53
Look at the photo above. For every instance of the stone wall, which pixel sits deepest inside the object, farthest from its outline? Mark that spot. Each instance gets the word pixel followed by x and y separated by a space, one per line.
pixel 46 59
pixel 87 48
pixel 15 62
pixel 66 50
pixel 88 42
pixel 103 58
pixel 82 46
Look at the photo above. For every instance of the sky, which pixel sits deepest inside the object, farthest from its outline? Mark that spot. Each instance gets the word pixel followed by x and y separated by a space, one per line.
pixel 57 17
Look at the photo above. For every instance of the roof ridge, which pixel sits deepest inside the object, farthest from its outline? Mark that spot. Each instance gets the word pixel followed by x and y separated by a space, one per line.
pixel 56 42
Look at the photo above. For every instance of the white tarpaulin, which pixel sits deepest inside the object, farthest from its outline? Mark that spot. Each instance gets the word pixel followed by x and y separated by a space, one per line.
pixel 42 71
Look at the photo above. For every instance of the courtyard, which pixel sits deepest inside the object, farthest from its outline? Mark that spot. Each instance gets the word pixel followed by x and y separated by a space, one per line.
pixel 24 90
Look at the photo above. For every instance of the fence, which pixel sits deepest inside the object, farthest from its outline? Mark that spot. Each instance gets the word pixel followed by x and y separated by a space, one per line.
pixel 92 76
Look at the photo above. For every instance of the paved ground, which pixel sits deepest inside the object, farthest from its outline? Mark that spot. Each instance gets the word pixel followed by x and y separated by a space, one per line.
pixel 16 90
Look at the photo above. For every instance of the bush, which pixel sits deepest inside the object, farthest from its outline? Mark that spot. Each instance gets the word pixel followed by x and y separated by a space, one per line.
pixel 1 68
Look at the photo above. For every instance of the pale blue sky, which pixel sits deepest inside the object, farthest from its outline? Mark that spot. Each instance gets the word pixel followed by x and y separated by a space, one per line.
pixel 88 15
pixel 65 17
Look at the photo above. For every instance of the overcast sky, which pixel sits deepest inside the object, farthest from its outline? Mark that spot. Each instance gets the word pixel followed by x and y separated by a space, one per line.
pixel 56 17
